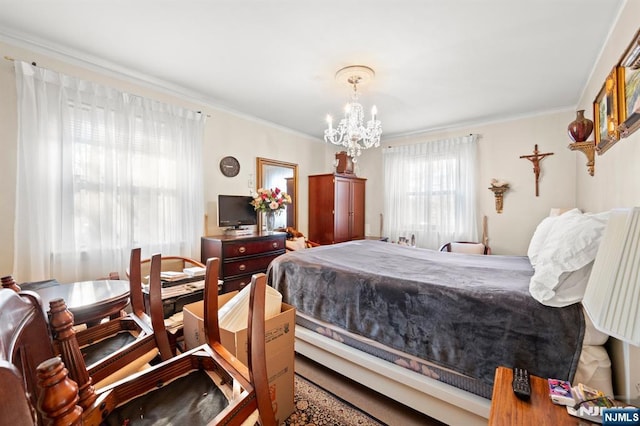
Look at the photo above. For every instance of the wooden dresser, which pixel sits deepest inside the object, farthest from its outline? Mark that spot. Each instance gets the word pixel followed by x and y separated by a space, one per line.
pixel 336 208
pixel 242 256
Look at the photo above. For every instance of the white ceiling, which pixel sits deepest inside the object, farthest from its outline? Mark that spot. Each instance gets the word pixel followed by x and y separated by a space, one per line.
pixel 438 63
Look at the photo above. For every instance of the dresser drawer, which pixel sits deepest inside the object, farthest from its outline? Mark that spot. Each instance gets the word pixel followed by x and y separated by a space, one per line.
pixel 248 265
pixel 236 284
pixel 248 248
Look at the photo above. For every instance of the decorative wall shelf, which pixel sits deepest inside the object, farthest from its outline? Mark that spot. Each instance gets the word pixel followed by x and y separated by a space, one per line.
pixel 498 192
pixel 588 148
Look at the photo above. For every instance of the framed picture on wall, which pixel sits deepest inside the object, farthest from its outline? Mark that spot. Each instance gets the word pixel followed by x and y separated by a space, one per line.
pixel 629 81
pixel 605 113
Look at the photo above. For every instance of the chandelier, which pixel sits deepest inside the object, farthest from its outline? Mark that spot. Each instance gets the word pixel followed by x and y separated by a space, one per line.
pixel 351 131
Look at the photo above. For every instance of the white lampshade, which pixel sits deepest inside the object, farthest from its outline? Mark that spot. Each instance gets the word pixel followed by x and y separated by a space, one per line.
pixel 612 297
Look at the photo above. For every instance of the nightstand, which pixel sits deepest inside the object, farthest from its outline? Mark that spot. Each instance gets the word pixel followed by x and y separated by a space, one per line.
pixel 508 410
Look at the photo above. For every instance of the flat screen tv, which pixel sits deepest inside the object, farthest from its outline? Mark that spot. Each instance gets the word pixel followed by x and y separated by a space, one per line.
pixel 236 211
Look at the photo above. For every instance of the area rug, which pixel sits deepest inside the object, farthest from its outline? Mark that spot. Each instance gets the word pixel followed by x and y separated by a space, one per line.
pixel 316 406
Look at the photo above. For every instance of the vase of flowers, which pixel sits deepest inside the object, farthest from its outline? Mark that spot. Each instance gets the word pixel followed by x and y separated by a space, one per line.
pixel 271 202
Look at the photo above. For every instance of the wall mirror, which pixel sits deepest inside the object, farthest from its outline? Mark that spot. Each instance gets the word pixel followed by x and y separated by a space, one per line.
pixel 283 175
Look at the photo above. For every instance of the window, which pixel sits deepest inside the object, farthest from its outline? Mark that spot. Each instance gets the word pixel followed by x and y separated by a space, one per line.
pixel 430 191
pixel 114 171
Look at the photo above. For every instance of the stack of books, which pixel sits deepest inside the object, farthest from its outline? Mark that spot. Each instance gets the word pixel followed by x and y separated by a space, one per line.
pixel 195 271
pixel 172 275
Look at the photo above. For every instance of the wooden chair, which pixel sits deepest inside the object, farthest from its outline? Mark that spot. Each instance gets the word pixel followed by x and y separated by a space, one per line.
pixel 117 348
pixel 14 401
pixel 465 247
pixel 24 344
pixel 236 390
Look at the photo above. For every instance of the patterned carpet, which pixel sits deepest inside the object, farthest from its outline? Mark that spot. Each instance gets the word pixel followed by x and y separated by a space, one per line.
pixel 317 407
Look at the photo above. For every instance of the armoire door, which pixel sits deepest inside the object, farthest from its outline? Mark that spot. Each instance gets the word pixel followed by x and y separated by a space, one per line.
pixel 342 210
pixel 357 209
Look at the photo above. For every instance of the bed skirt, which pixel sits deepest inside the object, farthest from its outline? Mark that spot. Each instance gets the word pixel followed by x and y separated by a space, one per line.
pixel 396 357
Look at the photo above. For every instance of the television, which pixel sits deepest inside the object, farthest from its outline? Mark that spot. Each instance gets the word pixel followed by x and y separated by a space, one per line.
pixel 236 211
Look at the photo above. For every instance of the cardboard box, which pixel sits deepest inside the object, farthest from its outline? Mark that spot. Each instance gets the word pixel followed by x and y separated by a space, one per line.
pixel 280 370
pixel 280 331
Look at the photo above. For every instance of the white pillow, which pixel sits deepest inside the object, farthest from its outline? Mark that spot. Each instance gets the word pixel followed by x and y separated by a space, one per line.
pixel 542 231
pixel 563 264
pixel 467 248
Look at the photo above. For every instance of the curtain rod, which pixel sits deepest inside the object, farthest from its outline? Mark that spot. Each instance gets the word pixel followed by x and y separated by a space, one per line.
pixel 470 134
pixel 9 58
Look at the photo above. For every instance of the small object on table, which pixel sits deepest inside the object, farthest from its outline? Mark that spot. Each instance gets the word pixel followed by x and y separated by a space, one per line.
pixel 520 384
pixel 560 392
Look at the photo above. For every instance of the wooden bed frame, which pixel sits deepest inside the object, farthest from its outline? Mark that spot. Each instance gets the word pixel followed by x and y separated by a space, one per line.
pixel 424 394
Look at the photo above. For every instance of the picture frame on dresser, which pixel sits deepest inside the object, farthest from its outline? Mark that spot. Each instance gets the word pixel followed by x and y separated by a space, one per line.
pixel 629 82
pixel 605 113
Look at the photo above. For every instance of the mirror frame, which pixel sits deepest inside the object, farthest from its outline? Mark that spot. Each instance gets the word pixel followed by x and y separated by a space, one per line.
pixel 260 162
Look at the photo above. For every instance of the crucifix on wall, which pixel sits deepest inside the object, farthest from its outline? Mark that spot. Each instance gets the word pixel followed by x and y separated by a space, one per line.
pixel 535 159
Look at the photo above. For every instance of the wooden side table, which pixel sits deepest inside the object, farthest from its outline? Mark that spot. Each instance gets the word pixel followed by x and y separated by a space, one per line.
pixel 508 410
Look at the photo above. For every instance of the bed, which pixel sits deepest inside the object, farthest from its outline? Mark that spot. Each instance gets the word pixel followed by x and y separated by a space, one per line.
pixel 425 327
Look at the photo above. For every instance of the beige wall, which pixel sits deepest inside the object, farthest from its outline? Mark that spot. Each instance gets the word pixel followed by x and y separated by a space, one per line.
pixel 225 134
pixel 617 181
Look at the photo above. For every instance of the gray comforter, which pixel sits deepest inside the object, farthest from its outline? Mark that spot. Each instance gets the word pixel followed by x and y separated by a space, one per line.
pixel 469 313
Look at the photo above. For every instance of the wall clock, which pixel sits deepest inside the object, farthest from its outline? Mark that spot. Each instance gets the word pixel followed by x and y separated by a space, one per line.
pixel 229 166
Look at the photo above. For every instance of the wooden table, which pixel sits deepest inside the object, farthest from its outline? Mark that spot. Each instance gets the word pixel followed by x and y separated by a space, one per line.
pixel 89 301
pixel 508 410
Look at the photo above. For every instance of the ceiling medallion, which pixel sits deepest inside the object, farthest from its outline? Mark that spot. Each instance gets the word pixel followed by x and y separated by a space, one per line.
pixel 351 131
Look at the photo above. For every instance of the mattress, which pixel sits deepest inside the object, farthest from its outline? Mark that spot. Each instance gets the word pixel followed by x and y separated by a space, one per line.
pixel 453 317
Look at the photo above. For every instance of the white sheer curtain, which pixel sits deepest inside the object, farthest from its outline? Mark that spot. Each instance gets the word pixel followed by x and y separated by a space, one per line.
pixel 430 191
pixel 100 172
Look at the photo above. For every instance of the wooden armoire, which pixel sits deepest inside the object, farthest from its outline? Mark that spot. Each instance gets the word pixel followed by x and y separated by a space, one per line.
pixel 336 208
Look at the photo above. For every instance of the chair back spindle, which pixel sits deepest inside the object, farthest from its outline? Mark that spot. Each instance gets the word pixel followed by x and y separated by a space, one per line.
pixel 211 324
pixel 10 283
pixel 61 324
pixel 257 350
pixel 157 313
pixel 135 283
pixel 59 398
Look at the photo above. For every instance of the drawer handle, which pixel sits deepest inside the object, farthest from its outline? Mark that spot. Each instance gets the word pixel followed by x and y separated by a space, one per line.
pixel 274 244
pixel 242 267
pixel 242 249
pixel 242 285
